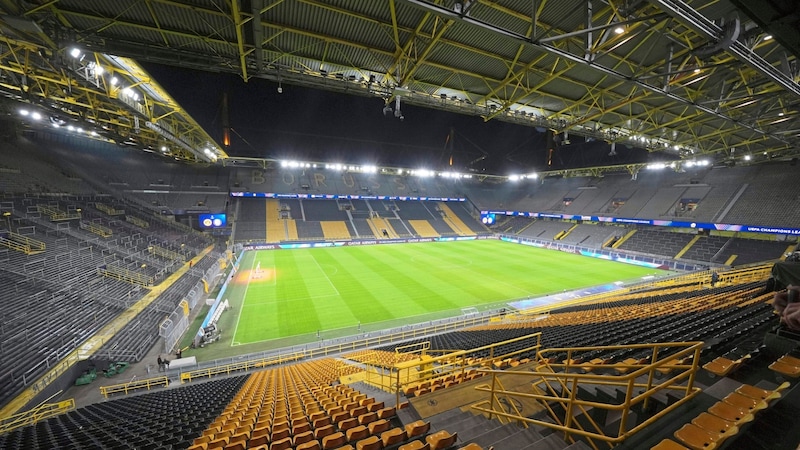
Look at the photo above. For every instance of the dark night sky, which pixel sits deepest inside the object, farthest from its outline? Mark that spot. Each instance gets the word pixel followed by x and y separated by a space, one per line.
pixel 308 124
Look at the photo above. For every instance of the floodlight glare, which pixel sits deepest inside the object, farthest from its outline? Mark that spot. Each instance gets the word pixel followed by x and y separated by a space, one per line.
pixel 75 52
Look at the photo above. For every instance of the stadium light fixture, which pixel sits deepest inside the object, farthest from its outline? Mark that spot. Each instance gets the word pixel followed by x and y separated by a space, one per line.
pixel 619 30
pixel 75 52
pixel 24 112
pixel 767 37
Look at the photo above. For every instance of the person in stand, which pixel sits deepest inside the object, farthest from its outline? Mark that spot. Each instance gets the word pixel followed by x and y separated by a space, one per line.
pixel 160 364
pixel 714 278
pixel 787 305
pixel 166 364
pixel 178 353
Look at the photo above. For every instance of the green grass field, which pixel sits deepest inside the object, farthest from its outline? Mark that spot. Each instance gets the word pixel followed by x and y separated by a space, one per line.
pixel 303 291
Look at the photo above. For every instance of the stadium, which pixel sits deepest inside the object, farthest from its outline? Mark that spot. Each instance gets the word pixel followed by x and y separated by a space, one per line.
pixel 624 281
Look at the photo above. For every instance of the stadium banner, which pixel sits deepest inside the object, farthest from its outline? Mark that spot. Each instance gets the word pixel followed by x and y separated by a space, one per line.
pixel 361 242
pixel 345 197
pixel 650 222
pixel 611 255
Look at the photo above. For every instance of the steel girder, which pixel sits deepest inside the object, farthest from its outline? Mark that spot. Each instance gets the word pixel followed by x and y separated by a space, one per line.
pixel 632 91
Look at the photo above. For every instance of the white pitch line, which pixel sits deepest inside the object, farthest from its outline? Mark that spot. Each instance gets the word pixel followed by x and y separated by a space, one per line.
pixel 325 274
pixel 244 296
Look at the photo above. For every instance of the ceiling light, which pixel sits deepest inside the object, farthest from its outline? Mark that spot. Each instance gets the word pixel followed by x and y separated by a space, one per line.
pixel 619 30
pixel 75 52
pixel 767 37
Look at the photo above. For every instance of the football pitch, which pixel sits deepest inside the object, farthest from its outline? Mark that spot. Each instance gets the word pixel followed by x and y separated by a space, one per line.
pixel 283 293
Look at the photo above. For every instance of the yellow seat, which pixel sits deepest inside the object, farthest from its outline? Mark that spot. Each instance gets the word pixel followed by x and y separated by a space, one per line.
pixel 379 426
pixel 471 446
pixel 393 436
pixel 310 445
pixel 730 413
pixel 283 444
pixel 415 445
pixel 417 428
pixel 333 441
pixel 715 424
pixel 697 438
pixel 785 369
pixel 744 402
pixel 369 443
pixel 357 433
pixel 668 444
pixel 441 439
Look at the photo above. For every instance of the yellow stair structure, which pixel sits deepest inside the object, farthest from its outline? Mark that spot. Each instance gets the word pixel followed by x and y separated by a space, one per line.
pixel 291 230
pixel 165 253
pixel 687 247
pixel 378 224
pixel 453 220
pixel 334 229
pixel 423 228
pixel 137 221
pixel 96 228
pixel 624 238
pixel 126 275
pixel 275 228
pixel 562 234
pixel 22 244
pixel 110 210
pixel 56 214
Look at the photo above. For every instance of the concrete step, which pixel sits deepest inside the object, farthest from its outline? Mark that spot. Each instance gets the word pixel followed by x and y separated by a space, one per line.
pixel 520 438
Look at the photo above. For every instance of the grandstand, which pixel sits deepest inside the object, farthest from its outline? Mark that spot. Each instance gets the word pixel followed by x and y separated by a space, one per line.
pixel 122 307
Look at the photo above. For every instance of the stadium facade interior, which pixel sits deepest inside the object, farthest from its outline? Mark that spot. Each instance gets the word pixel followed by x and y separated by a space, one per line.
pixel 115 254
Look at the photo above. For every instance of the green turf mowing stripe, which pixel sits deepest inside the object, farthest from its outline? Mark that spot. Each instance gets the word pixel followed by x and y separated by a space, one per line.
pixel 308 290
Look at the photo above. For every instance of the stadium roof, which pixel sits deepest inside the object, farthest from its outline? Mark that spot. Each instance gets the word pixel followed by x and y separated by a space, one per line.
pixel 694 78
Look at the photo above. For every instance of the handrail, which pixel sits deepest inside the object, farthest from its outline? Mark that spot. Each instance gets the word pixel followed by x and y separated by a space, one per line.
pixel 570 380
pixel 31 416
pixel 125 388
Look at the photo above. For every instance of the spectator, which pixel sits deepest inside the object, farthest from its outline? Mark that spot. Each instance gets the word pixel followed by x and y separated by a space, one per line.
pixel 787 305
pixel 160 364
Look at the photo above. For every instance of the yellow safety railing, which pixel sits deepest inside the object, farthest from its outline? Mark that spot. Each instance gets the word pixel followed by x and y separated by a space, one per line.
pixel 333 349
pixel 164 253
pixel 135 385
pixel 228 369
pixel 435 364
pixel 110 210
pixel 96 228
pixel 31 416
pixel 22 243
pixel 56 214
pixel 137 221
pixel 128 276
pixel 559 383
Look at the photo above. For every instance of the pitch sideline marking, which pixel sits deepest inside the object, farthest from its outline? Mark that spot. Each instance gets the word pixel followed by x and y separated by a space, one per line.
pixel 244 298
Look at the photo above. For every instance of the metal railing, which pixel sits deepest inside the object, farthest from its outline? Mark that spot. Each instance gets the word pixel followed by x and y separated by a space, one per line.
pixel 134 385
pixel 559 384
pixel 31 416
